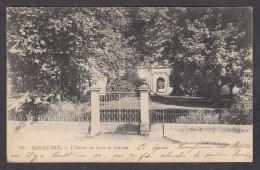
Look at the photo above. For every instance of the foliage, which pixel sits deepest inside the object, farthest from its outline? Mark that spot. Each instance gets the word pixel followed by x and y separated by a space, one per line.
pixel 36 60
pixel 117 85
pixel 205 46
pixel 57 53
pixel 59 111
pixel 27 111
pixel 212 49
pixel 199 118
pixel 241 111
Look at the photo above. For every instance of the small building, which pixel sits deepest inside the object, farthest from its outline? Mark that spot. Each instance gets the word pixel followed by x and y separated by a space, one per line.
pixel 157 77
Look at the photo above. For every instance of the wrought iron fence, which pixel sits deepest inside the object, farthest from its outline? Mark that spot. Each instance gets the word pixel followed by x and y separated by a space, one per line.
pixel 82 114
pixel 199 116
pixel 119 107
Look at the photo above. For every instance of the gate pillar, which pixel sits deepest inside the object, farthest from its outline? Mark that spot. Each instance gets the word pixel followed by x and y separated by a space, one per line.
pixel 145 121
pixel 95 111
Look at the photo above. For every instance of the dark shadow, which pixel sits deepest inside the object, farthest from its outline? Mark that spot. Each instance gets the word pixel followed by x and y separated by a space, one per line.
pixel 126 129
pixel 190 101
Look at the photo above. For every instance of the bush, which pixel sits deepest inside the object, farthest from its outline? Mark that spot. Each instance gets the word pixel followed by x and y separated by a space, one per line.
pixel 60 111
pixel 199 118
pixel 68 111
pixel 28 106
pixel 236 116
pixel 118 85
pixel 27 111
pixel 241 111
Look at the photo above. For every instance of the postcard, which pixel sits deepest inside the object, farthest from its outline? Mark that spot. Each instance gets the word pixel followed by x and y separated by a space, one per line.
pixel 129 84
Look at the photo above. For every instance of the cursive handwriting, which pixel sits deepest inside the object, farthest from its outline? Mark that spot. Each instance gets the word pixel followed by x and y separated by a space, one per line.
pixel 144 152
pixel 190 148
pixel 240 145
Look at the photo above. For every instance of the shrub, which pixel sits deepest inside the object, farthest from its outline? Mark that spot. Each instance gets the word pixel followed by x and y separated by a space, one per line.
pixel 28 106
pixel 60 111
pixel 236 116
pixel 119 85
pixel 241 111
pixel 199 118
pixel 27 111
pixel 66 111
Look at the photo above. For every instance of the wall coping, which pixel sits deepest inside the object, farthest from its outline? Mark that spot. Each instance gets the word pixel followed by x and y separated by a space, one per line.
pixel 94 89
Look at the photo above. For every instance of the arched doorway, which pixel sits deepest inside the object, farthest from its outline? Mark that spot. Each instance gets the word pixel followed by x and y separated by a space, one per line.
pixel 160 85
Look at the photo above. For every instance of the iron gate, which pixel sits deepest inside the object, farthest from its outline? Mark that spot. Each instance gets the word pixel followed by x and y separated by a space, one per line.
pixel 120 107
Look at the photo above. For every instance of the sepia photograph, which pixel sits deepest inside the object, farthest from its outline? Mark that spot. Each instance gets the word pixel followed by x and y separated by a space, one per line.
pixel 129 84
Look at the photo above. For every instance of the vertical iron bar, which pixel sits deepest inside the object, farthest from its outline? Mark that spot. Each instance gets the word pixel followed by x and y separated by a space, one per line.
pixel 119 98
pixel 163 121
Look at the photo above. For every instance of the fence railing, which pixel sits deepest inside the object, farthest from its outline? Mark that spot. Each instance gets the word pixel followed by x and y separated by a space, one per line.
pixel 122 115
pixel 198 116
pixel 125 107
pixel 52 114
pixel 119 107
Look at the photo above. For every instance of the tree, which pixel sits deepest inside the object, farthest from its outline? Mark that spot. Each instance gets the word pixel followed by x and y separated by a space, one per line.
pixel 68 47
pixel 58 51
pixel 112 57
pixel 45 47
pixel 207 47
pixel 214 41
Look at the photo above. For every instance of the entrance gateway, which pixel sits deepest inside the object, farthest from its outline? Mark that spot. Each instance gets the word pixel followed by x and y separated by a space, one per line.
pixel 119 107
pixel 157 78
pixel 119 112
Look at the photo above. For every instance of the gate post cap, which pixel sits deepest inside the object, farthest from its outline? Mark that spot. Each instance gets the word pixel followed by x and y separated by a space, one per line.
pixel 144 87
pixel 94 89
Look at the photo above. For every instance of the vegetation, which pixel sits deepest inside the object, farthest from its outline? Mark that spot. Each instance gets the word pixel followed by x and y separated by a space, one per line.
pixel 54 53
pixel 207 47
pixel 199 118
pixel 242 107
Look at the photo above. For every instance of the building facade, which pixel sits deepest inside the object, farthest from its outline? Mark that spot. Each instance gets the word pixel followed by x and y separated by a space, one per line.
pixel 157 77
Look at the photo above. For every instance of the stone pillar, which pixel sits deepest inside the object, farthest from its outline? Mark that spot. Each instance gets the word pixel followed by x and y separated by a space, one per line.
pixel 145 121
pixel 95 111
